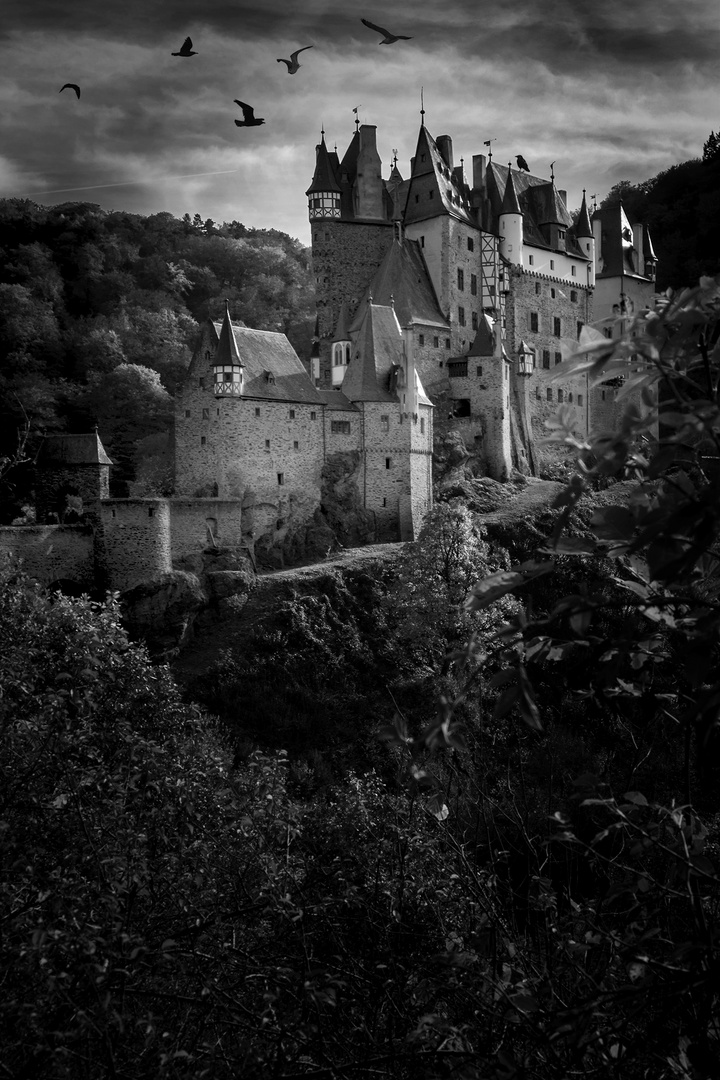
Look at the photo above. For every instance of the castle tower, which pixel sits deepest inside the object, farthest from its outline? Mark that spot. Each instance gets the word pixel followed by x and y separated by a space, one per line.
pixel 511 224
pixel 585 238
pixel 553 217
pixel 488 355
pixel 350 215
pixel 72 472
pixel 227 365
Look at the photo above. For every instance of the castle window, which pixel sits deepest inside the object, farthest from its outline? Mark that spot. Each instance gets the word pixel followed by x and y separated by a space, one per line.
pixel 217 412
pixel 471 243
pixel 203 440
pixel 534 321
pixel 558 357
pixel 384 502
pixel 461 407
pixel 461 316
pixel 267 444
pixel 458 369
pixel 537 288
pixel 552 294
pixel 570 397
pixel 478 370
pixel 573 271
pixel 388 463
pixel 422 157
pixel 187 413
pixel 603 394
pixel 417 198
pixel 440 363
pixel 546 358
pixel 549 393
pixel 436 342
pixel 560 397
pixel 608 331
pixel 281 479
pixel 537 392
pixel 422 238
pixel 557 327
pixel 151 511
pixel 552 264
pixel 447 342
pixel 421 339
pixel 113 513
pixel 431 195
pixel 340 427
pixel 313 416
pixel 257 412
pixel 473 284
pixel 385 424
pixel 531 260
pixel 580 399
pixel 422 426
pixel 296 446
pixel 201 384
pixel 474 320
pixel 207 354
pixel 206 414
pixel 291 414
pixel 461 279
pixel 579 328
pixel 573 296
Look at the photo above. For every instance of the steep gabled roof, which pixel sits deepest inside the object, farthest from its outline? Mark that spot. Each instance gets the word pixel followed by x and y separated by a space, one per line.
pixel 227 354
pixel 272 368
pixel 402 279
pixel 431 173
pixel 510 204
pixel 540 204
pixel 57 450
pixel 484 342
pixel 377 348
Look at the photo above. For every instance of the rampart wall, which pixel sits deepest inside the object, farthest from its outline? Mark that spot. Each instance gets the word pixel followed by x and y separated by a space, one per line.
pixel 52 553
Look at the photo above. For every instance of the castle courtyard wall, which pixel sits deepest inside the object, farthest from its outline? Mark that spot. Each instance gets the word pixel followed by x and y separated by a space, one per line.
pixel 52 553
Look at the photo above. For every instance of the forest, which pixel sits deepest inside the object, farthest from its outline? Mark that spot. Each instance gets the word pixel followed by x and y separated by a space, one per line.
pixel 99 315
pixel 455 818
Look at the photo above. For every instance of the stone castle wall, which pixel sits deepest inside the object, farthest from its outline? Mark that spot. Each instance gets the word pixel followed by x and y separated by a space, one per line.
pixel 133 541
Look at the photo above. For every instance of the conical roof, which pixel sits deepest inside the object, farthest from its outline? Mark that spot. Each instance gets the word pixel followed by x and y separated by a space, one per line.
pixel 582 225
pixel 324 178
pixel 402 279
pixel 227 354
pixel 484 343
pixel 510 204
pixel 342 332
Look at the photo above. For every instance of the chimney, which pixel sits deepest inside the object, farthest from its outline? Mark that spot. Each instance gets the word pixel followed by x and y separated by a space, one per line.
pixel 369 185
pixel 563 195
pixel 444 145
pixel 478 171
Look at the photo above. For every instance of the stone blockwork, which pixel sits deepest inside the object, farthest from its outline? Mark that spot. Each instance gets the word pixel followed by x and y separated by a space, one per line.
pixel 133 541
pixel 345 256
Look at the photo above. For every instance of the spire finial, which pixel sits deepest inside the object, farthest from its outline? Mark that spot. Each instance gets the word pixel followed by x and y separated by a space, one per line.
pixel 395 157
pixel 322 131
pixel 552 170
pixel 357 117
pixel 422 105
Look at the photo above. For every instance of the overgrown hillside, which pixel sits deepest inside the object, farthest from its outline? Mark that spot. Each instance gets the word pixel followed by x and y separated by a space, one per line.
pixel 99 314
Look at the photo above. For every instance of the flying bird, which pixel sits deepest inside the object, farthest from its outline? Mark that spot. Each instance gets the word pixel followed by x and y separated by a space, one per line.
pixel 522 163
pixel 249 118
pixel 292 63
pixel 70 86
pixel 388 38
pixel 186 48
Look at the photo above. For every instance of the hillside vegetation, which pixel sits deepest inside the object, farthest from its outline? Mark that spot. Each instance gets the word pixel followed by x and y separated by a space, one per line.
pixel 99 315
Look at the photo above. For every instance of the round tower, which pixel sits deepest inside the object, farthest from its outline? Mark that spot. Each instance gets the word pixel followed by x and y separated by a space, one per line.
pixel 511 224
pixel 133 541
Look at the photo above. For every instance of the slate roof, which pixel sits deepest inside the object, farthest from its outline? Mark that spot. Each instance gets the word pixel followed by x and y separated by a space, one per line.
pixel 263 353
pixel 56 450
pixel 335 401
pixel 324 178
pixel 454 193
pixel 377 348
pixel 402 278
pixel 484 341
pixel 582 225
pixel 540 204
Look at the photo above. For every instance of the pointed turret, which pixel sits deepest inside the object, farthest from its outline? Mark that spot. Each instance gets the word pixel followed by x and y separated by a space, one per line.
pixel 649 256
pixel 511 224
pixel 228 367
pixel 586 239
pixel 324 191
pixel 377 352
pixel 552 217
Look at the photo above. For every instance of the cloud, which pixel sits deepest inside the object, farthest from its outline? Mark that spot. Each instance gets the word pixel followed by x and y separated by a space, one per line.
pixel 605 89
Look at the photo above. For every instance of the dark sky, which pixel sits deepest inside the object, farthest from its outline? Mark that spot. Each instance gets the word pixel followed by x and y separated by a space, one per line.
pixel 608 90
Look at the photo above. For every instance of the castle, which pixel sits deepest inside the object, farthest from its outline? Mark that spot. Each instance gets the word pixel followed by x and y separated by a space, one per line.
pixel 440 305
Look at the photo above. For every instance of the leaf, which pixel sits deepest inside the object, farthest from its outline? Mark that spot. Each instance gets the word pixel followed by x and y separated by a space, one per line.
pixel 437 807
pixel 635 797
pixel 491 588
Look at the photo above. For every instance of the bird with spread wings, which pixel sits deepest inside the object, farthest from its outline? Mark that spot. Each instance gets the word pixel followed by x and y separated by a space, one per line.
pixel 388 38
pixel 292 63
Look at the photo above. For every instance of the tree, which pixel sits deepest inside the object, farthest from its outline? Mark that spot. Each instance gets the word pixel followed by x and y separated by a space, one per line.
pixel 711 147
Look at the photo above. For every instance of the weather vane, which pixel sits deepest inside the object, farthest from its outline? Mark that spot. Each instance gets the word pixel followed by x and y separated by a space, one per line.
pixel 395 157
pixel 422 104
pixel 488 143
